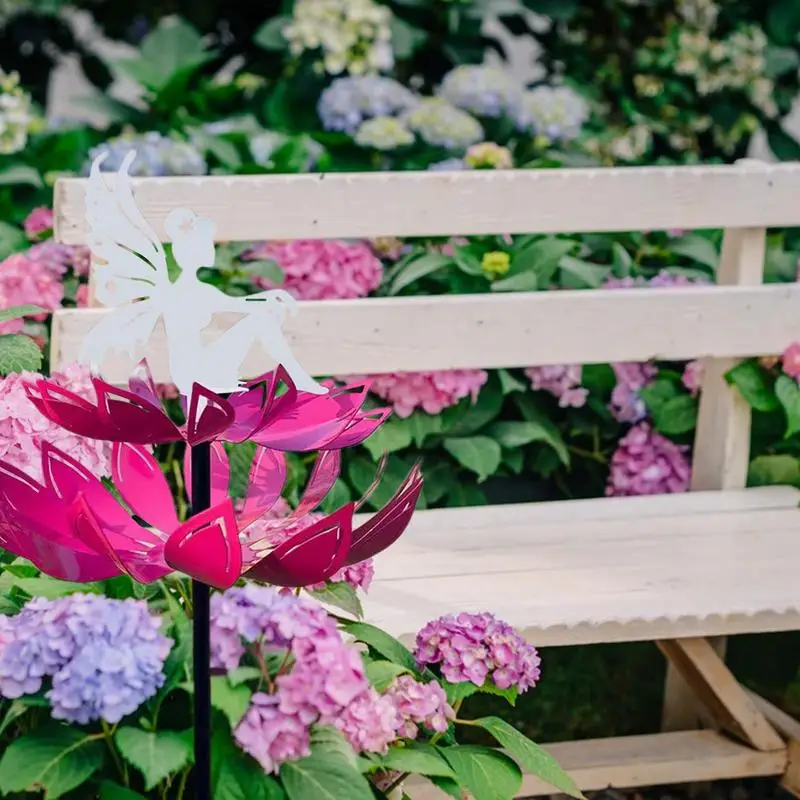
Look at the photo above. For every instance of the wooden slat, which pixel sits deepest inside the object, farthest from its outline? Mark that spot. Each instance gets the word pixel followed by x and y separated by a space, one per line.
pixel 642 761
pixel 382 335
pixel 584 572
pixel 719 691
pixel 482 202
pixel 783 722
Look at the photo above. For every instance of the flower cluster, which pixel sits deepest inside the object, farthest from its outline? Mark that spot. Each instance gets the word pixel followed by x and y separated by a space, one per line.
pixel 563 381
pixel 384 133
pixel 350 101
pixel 556 113
pixel 790 360
pixel 321 269
pixel 488 155
pixel 430 391
pixel 419 704
pixel 23 428
pixel 105 656
pixel 441 124
pixel 486 91
pixel 38 222
pixel 477 648
pixel 645 462
pixel 351 36
pixel 26 279
pixel 626 404
pixel 16 115
pixel 324 682
pixel 156 155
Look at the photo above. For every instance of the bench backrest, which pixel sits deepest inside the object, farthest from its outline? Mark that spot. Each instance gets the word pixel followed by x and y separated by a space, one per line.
pixel 737 318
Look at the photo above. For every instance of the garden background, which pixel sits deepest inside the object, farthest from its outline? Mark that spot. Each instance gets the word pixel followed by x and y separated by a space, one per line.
pixel 321 85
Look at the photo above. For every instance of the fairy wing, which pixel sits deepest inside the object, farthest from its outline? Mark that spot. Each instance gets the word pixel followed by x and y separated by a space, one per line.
pixel 135 264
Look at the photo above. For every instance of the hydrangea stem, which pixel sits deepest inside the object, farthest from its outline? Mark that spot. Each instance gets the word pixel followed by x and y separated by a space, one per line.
pixel 201 596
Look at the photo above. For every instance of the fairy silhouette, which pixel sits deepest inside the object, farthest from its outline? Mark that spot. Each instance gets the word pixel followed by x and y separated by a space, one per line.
pixel 134 282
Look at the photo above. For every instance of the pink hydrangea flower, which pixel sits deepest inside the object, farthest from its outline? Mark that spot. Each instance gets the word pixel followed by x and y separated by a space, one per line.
pixel 81 260
pixel 478 648
pixel 54 258
pixel 419 704
pixel 791 360
pixel 692 377
pixel 632 377
pixel 430 391
pixel 322 269
pixel 645 462
pixel 562 381
pixel 369 722
pixel 39 221
pixel 23 429
pixel 82 296
pixel 23 281
pixel 359 576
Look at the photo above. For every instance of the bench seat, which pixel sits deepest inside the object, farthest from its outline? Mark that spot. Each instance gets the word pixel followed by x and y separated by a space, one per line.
pixel 613 569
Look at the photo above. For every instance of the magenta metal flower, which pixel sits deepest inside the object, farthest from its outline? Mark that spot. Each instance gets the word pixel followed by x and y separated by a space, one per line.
pixel 73 528
pixel 290 420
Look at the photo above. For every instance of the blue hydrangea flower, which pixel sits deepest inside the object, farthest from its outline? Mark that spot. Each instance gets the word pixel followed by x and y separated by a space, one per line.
pixel 156 155
pixel 347 102
pixel 105 656
pixel 482 90
pixel 449 165
pixel 556 112
pixel 442 125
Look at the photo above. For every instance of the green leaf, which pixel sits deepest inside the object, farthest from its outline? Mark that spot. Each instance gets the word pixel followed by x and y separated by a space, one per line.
pixel 19 353
pixel 240 458
pixel 242 674
pixel 113 791
pixel 340 595
pixel 510 695
pixel 579 274
pixel 774 470
pixel 405 38
pixel 533 759
pixel 155 755
pixel 236 776
pixel 448 786
pixel 541 258
pixel 270 35
pixel 523 282
pixel 509 384
pixel 696 248
pixel 324 776
pixel 658 392
pixel 52 588
pixel 56 758
pixel 21 174
pixel 12 239
pixel 623 262
pixel 754 385
pixel 381 674
pixel 469 417
pixel 780 60
pixel 783 21
pixel 172 46
pixel 480 454
pixel 232 700
pixel 393 435
pixel 14 711
pixel 676 416
pixel 419 268
pixel 422 425
pixel 418 758
pixel 788 394
pixel 15 312
pixel 383 644
pixel 487 773
pixel 517 434
pixel 456 692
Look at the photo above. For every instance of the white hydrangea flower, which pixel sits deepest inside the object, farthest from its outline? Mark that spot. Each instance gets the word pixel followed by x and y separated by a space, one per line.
pixel 384 133
pixel 16 114
pixel 485 91
pixel 350 36
pixel 442 125
pixel 556 112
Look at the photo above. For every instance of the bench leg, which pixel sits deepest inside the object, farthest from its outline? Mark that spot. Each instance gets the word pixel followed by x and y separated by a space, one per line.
pixel 730 705
pixel 789 728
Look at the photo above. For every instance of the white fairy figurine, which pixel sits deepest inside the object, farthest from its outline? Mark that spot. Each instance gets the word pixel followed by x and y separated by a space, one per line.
pixel 134 282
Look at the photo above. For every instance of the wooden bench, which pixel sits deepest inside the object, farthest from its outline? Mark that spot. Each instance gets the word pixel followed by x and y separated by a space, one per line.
pixel 680 570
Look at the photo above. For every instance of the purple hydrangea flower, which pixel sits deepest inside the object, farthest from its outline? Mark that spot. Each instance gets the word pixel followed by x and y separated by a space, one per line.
pixel 156 155
pixel 419 704
pixel 626 404
pixel 562 381
pixel 348 102
pixel 478 648
pixel 105 656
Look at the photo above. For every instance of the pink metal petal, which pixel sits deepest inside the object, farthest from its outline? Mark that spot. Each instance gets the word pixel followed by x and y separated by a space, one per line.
pixel 389 524
pixel 250 409
pixel 67 410
pixel 140 481
pixel 310 557
pixel 132 419
pixel 141 383
pixel 361 428
pixel 323 476
pixel 206 547
pixel 209 415
pixel 267 477
pixel 144 566
pixel 220 473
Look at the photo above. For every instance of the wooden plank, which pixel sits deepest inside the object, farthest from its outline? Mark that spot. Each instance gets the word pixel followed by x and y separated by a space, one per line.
pixel 382 335
pixel 721 453
pixel 785 724
pixel 631 761
pixel 719 691
pixel 481 202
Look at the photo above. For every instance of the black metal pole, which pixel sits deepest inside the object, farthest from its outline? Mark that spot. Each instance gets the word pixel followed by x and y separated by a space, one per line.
pixel 201 656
